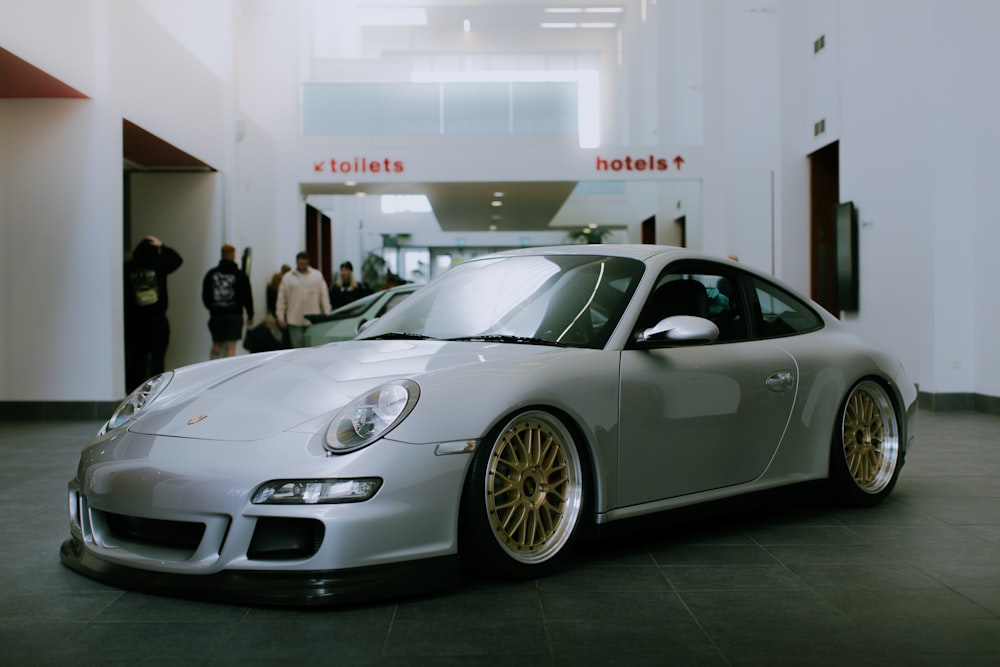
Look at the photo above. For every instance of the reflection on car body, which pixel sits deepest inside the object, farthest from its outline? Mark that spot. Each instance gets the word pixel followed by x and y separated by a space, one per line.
pixel 495 415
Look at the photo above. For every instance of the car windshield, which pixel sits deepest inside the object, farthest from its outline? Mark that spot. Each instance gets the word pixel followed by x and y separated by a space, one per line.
pixel 570 300
pixel 355 308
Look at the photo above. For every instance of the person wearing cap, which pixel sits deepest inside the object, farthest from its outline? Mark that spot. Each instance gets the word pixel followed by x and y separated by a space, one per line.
pixel 347 288
pixel 226 292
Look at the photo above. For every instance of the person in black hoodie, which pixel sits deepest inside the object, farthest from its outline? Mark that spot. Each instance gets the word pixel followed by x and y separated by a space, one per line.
pixel 226 293
pixel 147 331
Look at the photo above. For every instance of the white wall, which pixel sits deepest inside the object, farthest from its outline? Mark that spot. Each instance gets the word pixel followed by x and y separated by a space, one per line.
pixel 60 252
pixel 161 86
pixel 253 217
pixel 742 132
pixel 986 105
pixel 202 27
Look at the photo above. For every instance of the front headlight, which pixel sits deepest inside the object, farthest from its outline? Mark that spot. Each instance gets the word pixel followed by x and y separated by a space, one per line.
pixel 371 416
pixel 137 400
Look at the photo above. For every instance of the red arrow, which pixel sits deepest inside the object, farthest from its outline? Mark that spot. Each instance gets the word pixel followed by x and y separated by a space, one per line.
pixel 318 166
pixel 678 161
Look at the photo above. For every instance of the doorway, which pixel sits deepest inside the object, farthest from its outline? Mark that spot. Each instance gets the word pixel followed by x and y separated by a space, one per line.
pixel 824 195
pixel 319 244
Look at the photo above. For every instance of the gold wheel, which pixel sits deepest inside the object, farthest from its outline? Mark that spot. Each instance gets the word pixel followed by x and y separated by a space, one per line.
pixel 533 487
pixel 870 437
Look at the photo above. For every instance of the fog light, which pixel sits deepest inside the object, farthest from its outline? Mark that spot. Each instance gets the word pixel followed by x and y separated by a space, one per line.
pixel 316 491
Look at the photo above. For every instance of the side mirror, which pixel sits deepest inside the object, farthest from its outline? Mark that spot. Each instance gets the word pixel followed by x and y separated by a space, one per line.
pixel 680 329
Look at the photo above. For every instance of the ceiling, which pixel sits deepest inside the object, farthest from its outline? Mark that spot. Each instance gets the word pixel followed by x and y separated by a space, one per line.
pixel 468 207
pixel 502 34
pixel 144 151
pixel 19 78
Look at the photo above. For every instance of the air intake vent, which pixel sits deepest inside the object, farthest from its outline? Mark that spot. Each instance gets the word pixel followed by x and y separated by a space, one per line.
pixel 277 538
pixel 156 532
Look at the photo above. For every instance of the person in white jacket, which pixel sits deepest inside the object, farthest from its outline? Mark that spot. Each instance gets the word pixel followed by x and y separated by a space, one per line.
pixel 302 292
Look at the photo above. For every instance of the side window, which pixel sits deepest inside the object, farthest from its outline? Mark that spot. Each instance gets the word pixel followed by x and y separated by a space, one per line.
pixel 702 290
pixel 781 314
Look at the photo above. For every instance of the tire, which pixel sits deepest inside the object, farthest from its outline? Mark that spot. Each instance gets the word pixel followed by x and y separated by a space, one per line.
pixel 865 456
pixel 524 499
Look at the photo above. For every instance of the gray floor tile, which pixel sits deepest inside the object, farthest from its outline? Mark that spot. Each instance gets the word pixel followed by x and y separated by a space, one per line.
pixel 713 555
pixel 936 636
pixel 605 579
pixel 731 578
pixel 612 607
pixel 644 641
pixel 870 607
pixel 869 577
pixel 512 641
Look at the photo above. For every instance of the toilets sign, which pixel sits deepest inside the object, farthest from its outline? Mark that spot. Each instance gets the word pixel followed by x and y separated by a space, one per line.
pixel 356 165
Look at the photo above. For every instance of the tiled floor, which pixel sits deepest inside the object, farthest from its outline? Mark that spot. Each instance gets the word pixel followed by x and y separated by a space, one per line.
pixel 913 582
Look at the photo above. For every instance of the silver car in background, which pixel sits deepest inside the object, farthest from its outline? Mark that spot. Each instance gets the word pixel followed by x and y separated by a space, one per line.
pixel 495 416
pixel 345 322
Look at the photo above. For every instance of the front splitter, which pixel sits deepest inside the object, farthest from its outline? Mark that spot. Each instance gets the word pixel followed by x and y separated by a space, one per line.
pixel 280 588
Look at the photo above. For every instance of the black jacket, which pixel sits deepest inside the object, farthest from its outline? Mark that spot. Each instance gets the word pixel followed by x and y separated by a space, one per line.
pixel 259 339
pixel 145 279
pixel 226 289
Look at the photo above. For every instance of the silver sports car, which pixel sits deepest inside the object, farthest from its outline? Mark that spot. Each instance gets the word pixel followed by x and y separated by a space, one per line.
pixel 499 413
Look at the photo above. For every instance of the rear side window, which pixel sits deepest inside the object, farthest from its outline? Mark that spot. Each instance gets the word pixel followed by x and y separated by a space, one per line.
pixel 778 313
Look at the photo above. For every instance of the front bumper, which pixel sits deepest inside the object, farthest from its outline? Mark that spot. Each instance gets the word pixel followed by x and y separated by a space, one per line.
pixel 174 516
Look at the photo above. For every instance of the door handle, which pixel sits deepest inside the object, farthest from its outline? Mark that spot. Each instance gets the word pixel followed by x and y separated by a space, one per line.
pixel 780 381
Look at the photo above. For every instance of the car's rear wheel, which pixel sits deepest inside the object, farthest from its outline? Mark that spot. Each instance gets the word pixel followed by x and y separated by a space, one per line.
pixel 865 457
pixel 524 499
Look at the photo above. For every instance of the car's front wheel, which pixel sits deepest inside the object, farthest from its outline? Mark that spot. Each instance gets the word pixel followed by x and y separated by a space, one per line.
pixel 523 501
pixel 865 457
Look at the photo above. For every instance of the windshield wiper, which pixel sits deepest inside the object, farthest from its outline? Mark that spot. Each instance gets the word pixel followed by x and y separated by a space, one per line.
pixel 400 335
pixel 506 338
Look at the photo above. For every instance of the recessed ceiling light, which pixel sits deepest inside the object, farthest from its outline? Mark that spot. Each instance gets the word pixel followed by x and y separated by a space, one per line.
pixel 496 202
pixel 350 184
pixel 360 194
pixel 592 225
pixel 498 194
pixel 493 228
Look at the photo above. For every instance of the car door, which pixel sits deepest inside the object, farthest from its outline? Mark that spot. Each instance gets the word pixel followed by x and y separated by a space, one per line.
pixel 703 416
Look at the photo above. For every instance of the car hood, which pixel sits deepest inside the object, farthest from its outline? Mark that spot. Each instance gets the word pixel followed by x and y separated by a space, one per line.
pixel 290 390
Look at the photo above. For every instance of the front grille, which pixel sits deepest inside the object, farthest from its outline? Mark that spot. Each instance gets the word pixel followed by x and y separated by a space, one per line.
pixel 277 538
pixel 156 532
